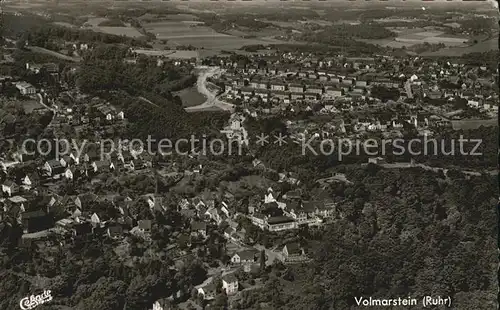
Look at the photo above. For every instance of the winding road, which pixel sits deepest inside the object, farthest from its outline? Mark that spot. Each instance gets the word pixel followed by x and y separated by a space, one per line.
pixel 201 85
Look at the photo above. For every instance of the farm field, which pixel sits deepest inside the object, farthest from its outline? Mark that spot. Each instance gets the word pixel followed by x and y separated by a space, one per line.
pixel 129 31
pixel 174 54
pixel 178 29
pixel 409 37
pixel 455 46
pixel 484 46
pixel 186 33
pixel 432 37
pixel 222 43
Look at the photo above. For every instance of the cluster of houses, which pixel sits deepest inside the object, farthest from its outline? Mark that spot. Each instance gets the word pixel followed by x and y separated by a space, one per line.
pixel 314 80
pixel 248 259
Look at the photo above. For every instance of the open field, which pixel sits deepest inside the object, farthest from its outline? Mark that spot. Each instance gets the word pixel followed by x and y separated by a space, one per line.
pixel 455 46
pixel 65 24
pixel 45 51
pixel 191 97
pixel 30 105
pixel 484 46
pixel 173 54
pixel 195 34
pixel 432 37
pixel 408 37
pixel 177 29
pixel 128 31
pixel 473 124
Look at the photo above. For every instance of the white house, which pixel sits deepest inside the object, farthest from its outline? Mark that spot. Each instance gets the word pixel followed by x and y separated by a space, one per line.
pixel 94 219
pixel 230 284
pixel 9 187
pixel 244 257
pixel 25 88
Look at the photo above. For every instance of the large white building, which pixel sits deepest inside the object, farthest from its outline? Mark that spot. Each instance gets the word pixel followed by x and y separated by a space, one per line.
pixel 25 88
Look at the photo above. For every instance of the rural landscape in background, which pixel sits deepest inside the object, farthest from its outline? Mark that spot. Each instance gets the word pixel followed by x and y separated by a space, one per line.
pixel 94 217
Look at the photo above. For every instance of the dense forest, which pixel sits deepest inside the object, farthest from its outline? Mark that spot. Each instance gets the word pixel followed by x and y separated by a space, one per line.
pixel 40 32
pixel 401 233
pixel 104 69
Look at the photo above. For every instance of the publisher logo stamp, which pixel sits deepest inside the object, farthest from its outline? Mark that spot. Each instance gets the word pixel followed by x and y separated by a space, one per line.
pixel 34 301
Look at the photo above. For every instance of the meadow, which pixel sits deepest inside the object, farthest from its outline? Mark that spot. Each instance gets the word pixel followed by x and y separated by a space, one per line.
pixel 473 124
pixel 191 97
pixel 128 31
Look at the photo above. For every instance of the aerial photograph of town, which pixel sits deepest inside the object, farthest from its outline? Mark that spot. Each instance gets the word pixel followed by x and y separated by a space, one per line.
pixel 249 155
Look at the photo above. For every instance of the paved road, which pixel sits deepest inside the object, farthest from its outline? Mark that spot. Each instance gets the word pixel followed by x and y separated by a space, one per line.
pixel 212 100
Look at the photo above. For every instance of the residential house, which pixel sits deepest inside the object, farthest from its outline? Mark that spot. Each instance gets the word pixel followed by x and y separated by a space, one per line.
pixel 278 86
pixel 295 211
pixel 95 220
pixel 281 95
pixel 126 158
pixel 72 173
pixel 208 291
pixel 138 164
pixel 297 96
pixel 10 188
pixel 347 81
pixel 293 252
pixel 262 85
pixel 31 180
pixel 319 208
pixel 66 161
pixel 53 168
pixel 225 209
pixel 361 83
pixel 246 92
pixel 155 202
pixel 75 157
pixel 34 221
pixel 334 79
pixel 314 89
pixel 333 92
pixel 84 201
pixel 81 229
pixel 214 215
pixel 18 202
pixel 311 96
pixel 230 284
pixel 292 195
pixel 262 94
pixel 296 88
pixel 115 231
pixel 144 226
pixel 102 166
pixel 244 257
pixel 199 229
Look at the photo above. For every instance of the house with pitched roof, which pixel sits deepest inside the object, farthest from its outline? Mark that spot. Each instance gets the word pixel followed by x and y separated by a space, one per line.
pixel 10 188
pixel 245 257
pixel 230 284
pixel 293 252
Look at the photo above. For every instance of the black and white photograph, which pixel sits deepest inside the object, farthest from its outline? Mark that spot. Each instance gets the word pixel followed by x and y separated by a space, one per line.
pixel 249 155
